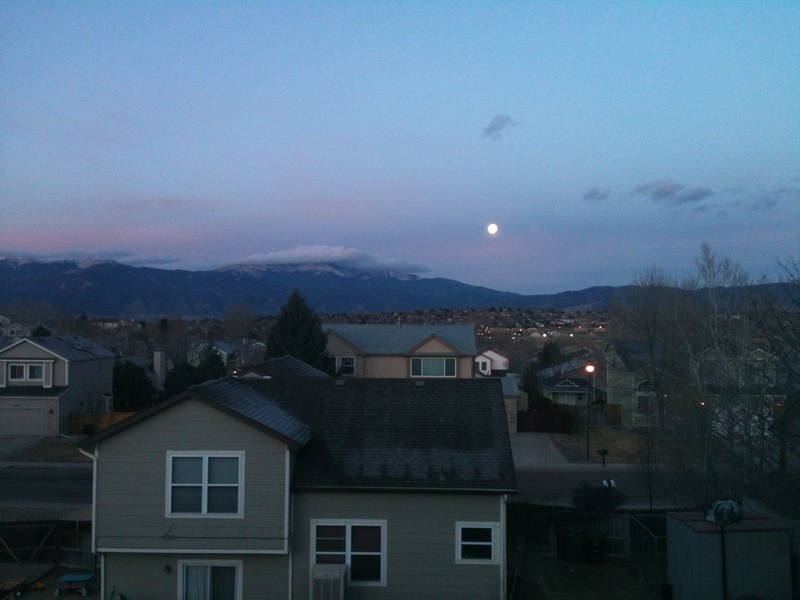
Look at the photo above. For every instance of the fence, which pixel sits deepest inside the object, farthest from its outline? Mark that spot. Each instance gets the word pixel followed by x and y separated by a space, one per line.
pixel 577 535
pixel 87 423
pixel 558 418
pixel 63 543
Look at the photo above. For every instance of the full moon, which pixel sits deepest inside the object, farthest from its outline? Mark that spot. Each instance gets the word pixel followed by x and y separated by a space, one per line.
pixel 492 228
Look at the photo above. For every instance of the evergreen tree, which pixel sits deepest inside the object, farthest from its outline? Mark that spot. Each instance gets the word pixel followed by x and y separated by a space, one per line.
pixel 298 332
pixel 132 388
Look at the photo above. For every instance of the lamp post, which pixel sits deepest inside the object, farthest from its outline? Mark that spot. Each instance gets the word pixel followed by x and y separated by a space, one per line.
pixel 589 398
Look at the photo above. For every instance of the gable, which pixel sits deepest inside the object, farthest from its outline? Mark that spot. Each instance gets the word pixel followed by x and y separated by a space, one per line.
pixel 433 345
pixel 24 350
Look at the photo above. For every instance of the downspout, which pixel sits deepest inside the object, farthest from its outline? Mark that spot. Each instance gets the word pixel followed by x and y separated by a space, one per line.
pixel 94 456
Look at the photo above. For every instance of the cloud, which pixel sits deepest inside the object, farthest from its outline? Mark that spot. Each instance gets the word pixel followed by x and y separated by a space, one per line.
pixel 332 255
pixel 671 193
pixel 596 195
pixel 769 200
pixel 495 128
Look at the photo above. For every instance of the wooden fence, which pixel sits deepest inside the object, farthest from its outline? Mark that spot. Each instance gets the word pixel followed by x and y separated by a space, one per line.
pixel 558 418
pixel 88 423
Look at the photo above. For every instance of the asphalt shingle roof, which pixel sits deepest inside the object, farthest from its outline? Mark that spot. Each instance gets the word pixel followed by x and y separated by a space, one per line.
pixel 70 347
pixel 399 339
pixel 383 433
pixel 288 366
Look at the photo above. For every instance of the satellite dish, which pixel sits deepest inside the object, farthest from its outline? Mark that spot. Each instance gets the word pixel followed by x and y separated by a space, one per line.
pixel 724 512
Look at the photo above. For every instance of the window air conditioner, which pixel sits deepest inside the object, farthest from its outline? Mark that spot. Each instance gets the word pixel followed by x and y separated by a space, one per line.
pixel 327 582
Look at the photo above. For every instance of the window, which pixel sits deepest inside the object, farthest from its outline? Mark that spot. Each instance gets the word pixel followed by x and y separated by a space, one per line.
pixel 347 365
pixel 477 543
pixel 361 545
pixel 646 403
pixel 217 580
pixel 26 372
pixel 433 367
pixel 200 484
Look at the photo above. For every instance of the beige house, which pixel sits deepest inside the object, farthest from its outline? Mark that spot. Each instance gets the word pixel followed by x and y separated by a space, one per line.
pixel 314 487
pixel 44 379
pixel 402 351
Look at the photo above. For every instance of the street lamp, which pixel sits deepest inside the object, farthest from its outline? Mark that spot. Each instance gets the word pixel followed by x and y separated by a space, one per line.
pixel 589 398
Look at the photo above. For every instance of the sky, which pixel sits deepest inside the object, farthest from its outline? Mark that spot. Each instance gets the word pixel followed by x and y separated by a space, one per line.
pixel 603 138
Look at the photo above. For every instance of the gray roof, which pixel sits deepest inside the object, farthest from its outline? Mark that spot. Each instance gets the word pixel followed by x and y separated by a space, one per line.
pixel 400 339
pixel 69 347
pixel 286 366
pixel 372 434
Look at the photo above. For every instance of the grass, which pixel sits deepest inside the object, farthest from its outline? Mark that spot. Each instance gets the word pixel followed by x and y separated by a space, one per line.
pixel 620 443
pixel 545 578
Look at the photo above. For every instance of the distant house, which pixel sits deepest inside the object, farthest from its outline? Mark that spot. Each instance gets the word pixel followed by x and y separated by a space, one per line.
pixel 403 351
pixel 568 391
pixel 491 362
pixel 44 379
pixel 630 383
pixel 10 329
pixel 224 349
pixel 317 487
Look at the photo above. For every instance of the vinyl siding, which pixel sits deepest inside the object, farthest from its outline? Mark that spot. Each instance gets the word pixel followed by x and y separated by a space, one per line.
pixel 143 576
pixel 131 483
pixel 420 532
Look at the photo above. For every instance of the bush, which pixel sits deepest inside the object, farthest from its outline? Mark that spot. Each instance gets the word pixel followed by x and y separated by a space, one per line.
pixel 597 497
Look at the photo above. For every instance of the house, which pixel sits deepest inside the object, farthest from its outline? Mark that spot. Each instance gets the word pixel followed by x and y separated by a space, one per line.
pixel 225 350
pixel 630 375
pixel 491 362
pixel 44 379
pixel 402 351
pixel 280 488
pixel 568 391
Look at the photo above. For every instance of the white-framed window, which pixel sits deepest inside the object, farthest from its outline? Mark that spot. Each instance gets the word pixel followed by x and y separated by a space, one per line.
pixel 205 484
pixel 358 544
pixel 347 365
pixel 478 542
pixel 26 372
pixel 646 402
pixel 209 580
pixel 433 367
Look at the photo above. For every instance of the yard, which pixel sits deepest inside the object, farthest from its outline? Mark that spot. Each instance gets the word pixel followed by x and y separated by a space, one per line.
pixel 546 578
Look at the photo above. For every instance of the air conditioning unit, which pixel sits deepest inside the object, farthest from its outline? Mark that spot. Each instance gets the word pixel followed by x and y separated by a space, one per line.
pixel 327 582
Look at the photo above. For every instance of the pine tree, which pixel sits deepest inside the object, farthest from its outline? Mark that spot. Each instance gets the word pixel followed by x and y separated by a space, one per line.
pixel 298 332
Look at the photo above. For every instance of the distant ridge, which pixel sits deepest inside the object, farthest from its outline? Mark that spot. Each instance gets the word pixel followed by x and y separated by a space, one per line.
pixel 105 288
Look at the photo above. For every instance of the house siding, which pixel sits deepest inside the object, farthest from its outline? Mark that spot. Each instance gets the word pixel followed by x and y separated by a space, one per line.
pixel 131 476
pixel 144 576
pixel 421 542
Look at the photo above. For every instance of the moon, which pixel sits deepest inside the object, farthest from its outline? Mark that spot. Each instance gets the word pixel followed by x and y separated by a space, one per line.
pixel 492 228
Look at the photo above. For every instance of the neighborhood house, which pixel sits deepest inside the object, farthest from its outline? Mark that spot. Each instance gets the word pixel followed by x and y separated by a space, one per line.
pixel 44 379
pixel 291 488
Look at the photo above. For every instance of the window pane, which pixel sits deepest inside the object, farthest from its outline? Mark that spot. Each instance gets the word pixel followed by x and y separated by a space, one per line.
pixel 16 372
pixel 223 583
pixel 195 582
pixel 450 367
pixel 35 371
pixel 476 551
pixel 186 499
pixel 223 469
pixel 416 367
pixel 223 499
pixel 476 534
pixel 330 559
pixel 187 469
pixel 330 531
pixel 326 545
pixel 365 568
pixel 433 367
pixel 366 538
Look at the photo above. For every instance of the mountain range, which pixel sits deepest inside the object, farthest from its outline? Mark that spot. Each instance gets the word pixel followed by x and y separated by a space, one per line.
pixel 107 288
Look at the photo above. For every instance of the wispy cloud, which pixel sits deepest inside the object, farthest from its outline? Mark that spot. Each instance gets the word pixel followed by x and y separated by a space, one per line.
pixel 494 130
pixel 771 199
pixel 333 255
pixel 674 194
pixel 596 195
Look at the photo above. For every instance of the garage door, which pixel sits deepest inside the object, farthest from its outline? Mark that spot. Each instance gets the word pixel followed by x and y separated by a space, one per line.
pixel 23 421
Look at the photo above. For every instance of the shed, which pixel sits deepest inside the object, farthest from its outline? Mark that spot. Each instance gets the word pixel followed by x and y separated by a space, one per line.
pixel 756 558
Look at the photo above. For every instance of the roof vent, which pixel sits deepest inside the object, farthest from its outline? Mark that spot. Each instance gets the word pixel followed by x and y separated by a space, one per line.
pixel 340 382
pixel 419 384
